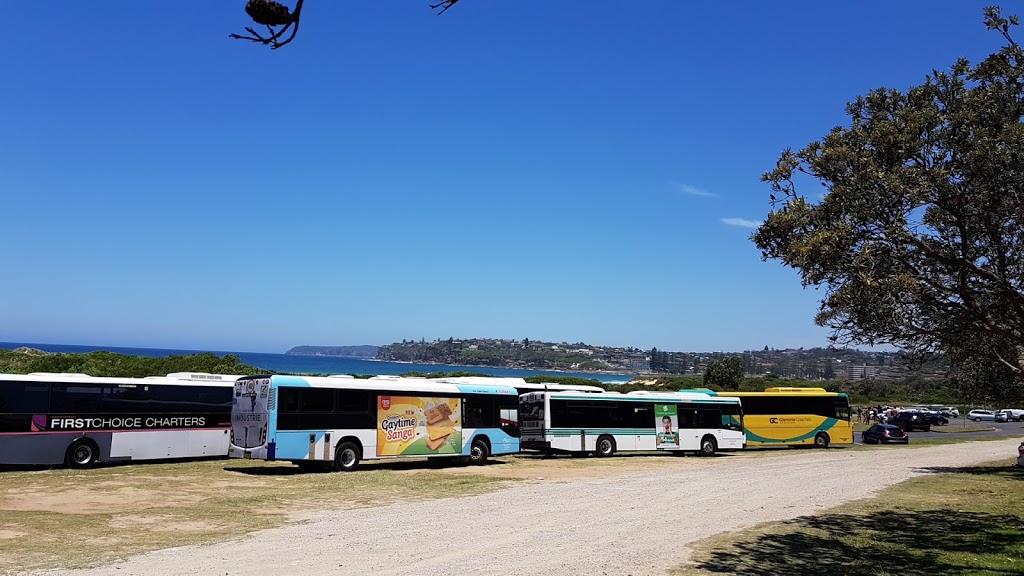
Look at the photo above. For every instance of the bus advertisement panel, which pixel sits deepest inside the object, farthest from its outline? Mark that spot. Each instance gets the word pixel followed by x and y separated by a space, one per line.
pixel 249 425
pixel 666 424
pixel 417 425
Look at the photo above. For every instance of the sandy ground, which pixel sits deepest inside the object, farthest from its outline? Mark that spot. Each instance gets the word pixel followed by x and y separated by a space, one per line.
pixel 632 524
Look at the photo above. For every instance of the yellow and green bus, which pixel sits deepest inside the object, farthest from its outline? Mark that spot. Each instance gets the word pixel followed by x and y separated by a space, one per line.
pixel 795 416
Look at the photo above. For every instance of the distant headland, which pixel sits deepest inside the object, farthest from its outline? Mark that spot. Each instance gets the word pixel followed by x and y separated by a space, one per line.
pixel 341 351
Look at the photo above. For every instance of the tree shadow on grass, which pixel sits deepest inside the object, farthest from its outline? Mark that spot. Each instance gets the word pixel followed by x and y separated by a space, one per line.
pixel 904 543
pixel 1007 472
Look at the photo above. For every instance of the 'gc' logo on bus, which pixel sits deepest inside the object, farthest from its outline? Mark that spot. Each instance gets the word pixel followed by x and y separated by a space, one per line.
pixel 773 420
pixel 385 403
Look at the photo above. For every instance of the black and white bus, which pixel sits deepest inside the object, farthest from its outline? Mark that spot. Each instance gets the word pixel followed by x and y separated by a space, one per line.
pixel 80 420
pixel 610 422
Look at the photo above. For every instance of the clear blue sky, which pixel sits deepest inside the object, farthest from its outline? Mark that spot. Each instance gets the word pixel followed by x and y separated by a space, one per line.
pixel 579 170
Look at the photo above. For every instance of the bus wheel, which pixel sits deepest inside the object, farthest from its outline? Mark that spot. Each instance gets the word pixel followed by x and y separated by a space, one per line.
pixel 346 459
pixel 478 453
pixel 82 454
pixel 605 446
pixel 821 440
pixel 708 446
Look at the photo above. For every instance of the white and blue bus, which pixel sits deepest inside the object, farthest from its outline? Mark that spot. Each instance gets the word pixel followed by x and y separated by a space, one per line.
pixel 606 423
pixel 335 422
pixel 80 420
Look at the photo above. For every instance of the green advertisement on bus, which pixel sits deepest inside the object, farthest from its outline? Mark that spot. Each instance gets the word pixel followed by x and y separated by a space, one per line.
pixel 666 426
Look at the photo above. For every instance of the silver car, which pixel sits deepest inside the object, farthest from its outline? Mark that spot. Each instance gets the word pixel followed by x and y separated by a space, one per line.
pixel 979 415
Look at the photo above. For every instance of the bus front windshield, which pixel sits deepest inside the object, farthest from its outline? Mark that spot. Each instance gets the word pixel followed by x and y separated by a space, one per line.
pixel 531 409
pixel 732 418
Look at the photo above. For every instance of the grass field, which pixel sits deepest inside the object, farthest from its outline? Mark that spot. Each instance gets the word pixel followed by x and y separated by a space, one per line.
pixel 74 518
pixel 958 521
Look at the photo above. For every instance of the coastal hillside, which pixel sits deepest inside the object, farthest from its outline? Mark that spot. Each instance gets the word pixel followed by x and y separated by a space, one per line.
pixel 341 351
pixel 102 363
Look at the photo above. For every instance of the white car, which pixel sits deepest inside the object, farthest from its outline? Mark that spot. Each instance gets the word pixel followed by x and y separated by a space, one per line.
pixel 1012 414
pixel 979 415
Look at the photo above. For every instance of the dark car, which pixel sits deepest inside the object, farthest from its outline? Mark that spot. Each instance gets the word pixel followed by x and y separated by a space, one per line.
pixel 912 421
pixel 937 419
pixel 884 434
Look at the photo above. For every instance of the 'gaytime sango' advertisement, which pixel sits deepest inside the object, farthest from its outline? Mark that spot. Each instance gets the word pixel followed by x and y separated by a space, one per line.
pixel 411 425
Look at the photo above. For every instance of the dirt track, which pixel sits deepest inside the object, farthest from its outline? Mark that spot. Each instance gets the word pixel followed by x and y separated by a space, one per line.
pixel 632 524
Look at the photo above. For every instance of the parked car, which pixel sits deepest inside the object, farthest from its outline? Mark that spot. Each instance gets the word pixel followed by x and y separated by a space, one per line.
pixel 937 419
pixel 912 421
pixel 979 415
pixel 950 412
pixel 1000 416
pixel 1012 414
pixel 885 434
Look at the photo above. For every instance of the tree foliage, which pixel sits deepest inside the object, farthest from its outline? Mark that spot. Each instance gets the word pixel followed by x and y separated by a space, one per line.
pixel 918 238
pixel 724 374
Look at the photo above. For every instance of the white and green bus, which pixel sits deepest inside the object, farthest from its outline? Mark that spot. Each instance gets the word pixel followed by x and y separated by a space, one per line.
pixel 610 422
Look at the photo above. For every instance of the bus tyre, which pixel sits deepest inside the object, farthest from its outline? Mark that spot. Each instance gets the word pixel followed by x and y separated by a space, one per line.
pixel 478 452
pixel 346 458
pixel 605 446
pixel 821 440
pixel 82 454
pixel 708 446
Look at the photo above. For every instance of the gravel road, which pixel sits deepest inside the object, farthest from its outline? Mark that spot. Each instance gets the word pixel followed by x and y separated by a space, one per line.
pixel 635 524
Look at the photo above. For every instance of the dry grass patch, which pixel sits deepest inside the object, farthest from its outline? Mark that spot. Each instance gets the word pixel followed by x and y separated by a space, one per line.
pixel 71 518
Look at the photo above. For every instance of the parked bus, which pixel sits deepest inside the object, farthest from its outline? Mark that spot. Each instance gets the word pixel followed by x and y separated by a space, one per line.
pixel 80 420
pixel 610 422
pixel 338 421
pixel 795 416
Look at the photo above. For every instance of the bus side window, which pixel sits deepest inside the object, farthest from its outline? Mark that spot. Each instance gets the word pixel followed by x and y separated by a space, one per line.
pixel 509 408
pixel 289 400
pixel 478 411
pixel 75 399
pixel 24 397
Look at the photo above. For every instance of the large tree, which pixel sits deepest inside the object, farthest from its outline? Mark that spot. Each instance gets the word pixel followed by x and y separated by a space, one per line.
pixel 917 239
pixel 724 374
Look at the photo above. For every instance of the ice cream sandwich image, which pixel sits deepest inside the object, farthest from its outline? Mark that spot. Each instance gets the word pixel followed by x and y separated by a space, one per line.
pixel 439 425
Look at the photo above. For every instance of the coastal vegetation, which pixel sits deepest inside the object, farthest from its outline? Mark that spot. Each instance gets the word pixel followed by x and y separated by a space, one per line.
pixel 504 354
pixel 102 363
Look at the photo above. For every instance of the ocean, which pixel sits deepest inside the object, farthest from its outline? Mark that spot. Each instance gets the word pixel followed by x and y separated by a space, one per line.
pixel 289 364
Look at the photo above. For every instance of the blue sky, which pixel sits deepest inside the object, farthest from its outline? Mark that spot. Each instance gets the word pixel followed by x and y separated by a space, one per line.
pixel 580 170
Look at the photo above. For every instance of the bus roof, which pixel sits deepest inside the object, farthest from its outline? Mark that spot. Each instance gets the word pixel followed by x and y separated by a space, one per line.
pixel 641 396
pixel 520 383
pixel 388 384
pixel 178 379
pixel 780 391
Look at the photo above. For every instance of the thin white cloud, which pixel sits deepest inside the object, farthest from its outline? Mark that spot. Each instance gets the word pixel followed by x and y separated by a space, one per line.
pixel 694 191
pixel 741 222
